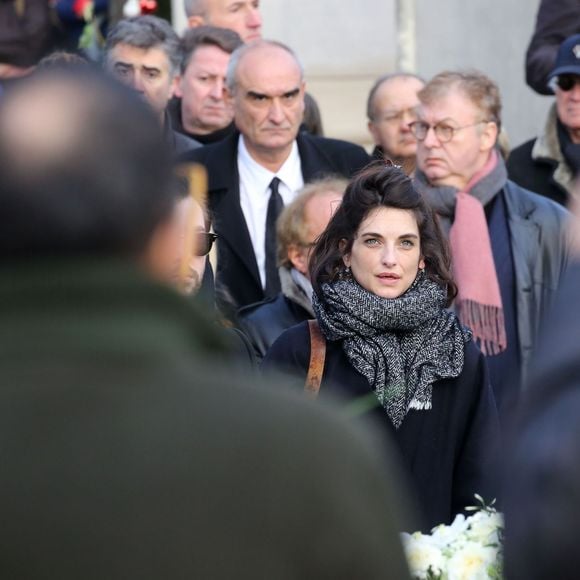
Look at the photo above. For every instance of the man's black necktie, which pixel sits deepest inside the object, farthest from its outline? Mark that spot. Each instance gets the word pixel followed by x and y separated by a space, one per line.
pixel 275 206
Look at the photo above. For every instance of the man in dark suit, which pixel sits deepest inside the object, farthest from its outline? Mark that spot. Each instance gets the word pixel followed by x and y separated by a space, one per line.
pixel 127 449
pixel 253 173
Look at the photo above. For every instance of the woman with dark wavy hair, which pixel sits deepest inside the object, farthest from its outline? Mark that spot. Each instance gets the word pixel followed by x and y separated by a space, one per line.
pixel 382 282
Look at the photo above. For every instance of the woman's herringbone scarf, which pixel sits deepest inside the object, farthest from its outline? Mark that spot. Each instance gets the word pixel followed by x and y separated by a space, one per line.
pixel 401 345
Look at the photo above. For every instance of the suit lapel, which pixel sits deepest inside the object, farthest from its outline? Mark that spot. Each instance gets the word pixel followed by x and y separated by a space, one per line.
pixel 313 161
pixel 224 202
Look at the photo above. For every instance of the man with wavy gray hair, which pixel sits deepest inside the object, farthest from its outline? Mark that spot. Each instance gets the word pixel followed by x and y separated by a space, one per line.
pixel 256 171
pixel 145 54
pixel 508 245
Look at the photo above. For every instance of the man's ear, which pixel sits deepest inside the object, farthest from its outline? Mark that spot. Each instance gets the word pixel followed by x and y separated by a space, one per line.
pixel 175 86
pixel 374 132
pixel 298 258
pixel 178 91
pixel 228 97
pixel 195 21
pixel 489 136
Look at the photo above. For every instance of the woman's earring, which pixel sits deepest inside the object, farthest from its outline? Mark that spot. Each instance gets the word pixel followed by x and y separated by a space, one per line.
pixel 345 273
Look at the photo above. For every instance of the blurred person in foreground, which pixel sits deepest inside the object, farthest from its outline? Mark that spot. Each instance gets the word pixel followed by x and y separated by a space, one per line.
pixel 177 256
pixel 200 110
pixel 549 163
pixel 391 107
pixel 128 451
pixel 145 54
pixel 381 279
pixel 299 226
pixel 508 244
pixel 542 500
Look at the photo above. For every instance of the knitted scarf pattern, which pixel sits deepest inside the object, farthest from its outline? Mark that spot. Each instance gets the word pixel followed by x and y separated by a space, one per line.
pixel 401 346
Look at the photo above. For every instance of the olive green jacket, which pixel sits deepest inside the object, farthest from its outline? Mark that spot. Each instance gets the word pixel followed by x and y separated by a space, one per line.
pixel 128 450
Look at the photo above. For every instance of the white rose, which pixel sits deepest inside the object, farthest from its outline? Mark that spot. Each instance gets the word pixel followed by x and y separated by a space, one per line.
pixel 444 536
pixel 470 562
pixel 484 527
pixel 422 555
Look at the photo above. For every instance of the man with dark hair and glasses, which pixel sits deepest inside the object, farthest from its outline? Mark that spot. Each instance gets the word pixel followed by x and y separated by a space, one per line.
pixel 549 163
pixel 507 243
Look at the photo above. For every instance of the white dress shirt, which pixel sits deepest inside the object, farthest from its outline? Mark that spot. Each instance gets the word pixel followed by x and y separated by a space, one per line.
pixel 255 193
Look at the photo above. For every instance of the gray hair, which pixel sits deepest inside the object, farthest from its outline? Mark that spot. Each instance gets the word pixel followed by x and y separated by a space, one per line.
pixel 379 83
pixel 240 52
pixel 146 32
pixel 194 7
pixel 480 89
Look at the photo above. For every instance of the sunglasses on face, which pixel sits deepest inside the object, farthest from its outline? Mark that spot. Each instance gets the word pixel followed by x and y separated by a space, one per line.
pixel 203 242
pixel 566 82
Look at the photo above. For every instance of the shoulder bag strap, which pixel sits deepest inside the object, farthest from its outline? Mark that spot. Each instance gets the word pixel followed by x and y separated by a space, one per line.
pixel 317 356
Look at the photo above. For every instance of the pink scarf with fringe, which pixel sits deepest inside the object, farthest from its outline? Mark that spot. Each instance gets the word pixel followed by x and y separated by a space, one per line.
pixel 478 303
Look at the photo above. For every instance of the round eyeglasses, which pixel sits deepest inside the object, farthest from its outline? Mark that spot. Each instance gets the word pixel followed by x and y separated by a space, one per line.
pixel 443 132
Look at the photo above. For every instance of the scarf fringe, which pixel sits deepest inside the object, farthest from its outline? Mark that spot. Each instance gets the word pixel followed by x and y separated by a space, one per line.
pixel 420 405
pixel 487 324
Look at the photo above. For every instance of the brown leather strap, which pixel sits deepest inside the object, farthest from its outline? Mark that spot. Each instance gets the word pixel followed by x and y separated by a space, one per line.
pixel 317 356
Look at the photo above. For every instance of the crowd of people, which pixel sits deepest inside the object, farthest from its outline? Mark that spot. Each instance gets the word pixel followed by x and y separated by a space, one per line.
pixel 235 347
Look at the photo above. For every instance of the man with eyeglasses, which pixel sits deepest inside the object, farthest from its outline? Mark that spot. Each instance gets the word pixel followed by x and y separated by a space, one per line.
pixel 550 163
pixel 391 107
pixel 508 245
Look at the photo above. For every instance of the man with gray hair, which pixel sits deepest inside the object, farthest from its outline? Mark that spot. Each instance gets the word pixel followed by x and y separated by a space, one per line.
pixel 508 244
pixel 242 16
pixel 144 53
pixel 255 172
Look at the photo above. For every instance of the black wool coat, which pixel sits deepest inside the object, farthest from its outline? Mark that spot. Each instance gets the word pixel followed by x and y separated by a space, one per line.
pixel 450 451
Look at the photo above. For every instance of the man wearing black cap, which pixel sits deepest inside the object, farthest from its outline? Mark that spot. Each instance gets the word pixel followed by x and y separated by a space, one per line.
pixel 549 163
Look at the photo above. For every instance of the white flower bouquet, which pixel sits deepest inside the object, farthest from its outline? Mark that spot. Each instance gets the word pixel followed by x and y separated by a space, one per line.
pixel 468 549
